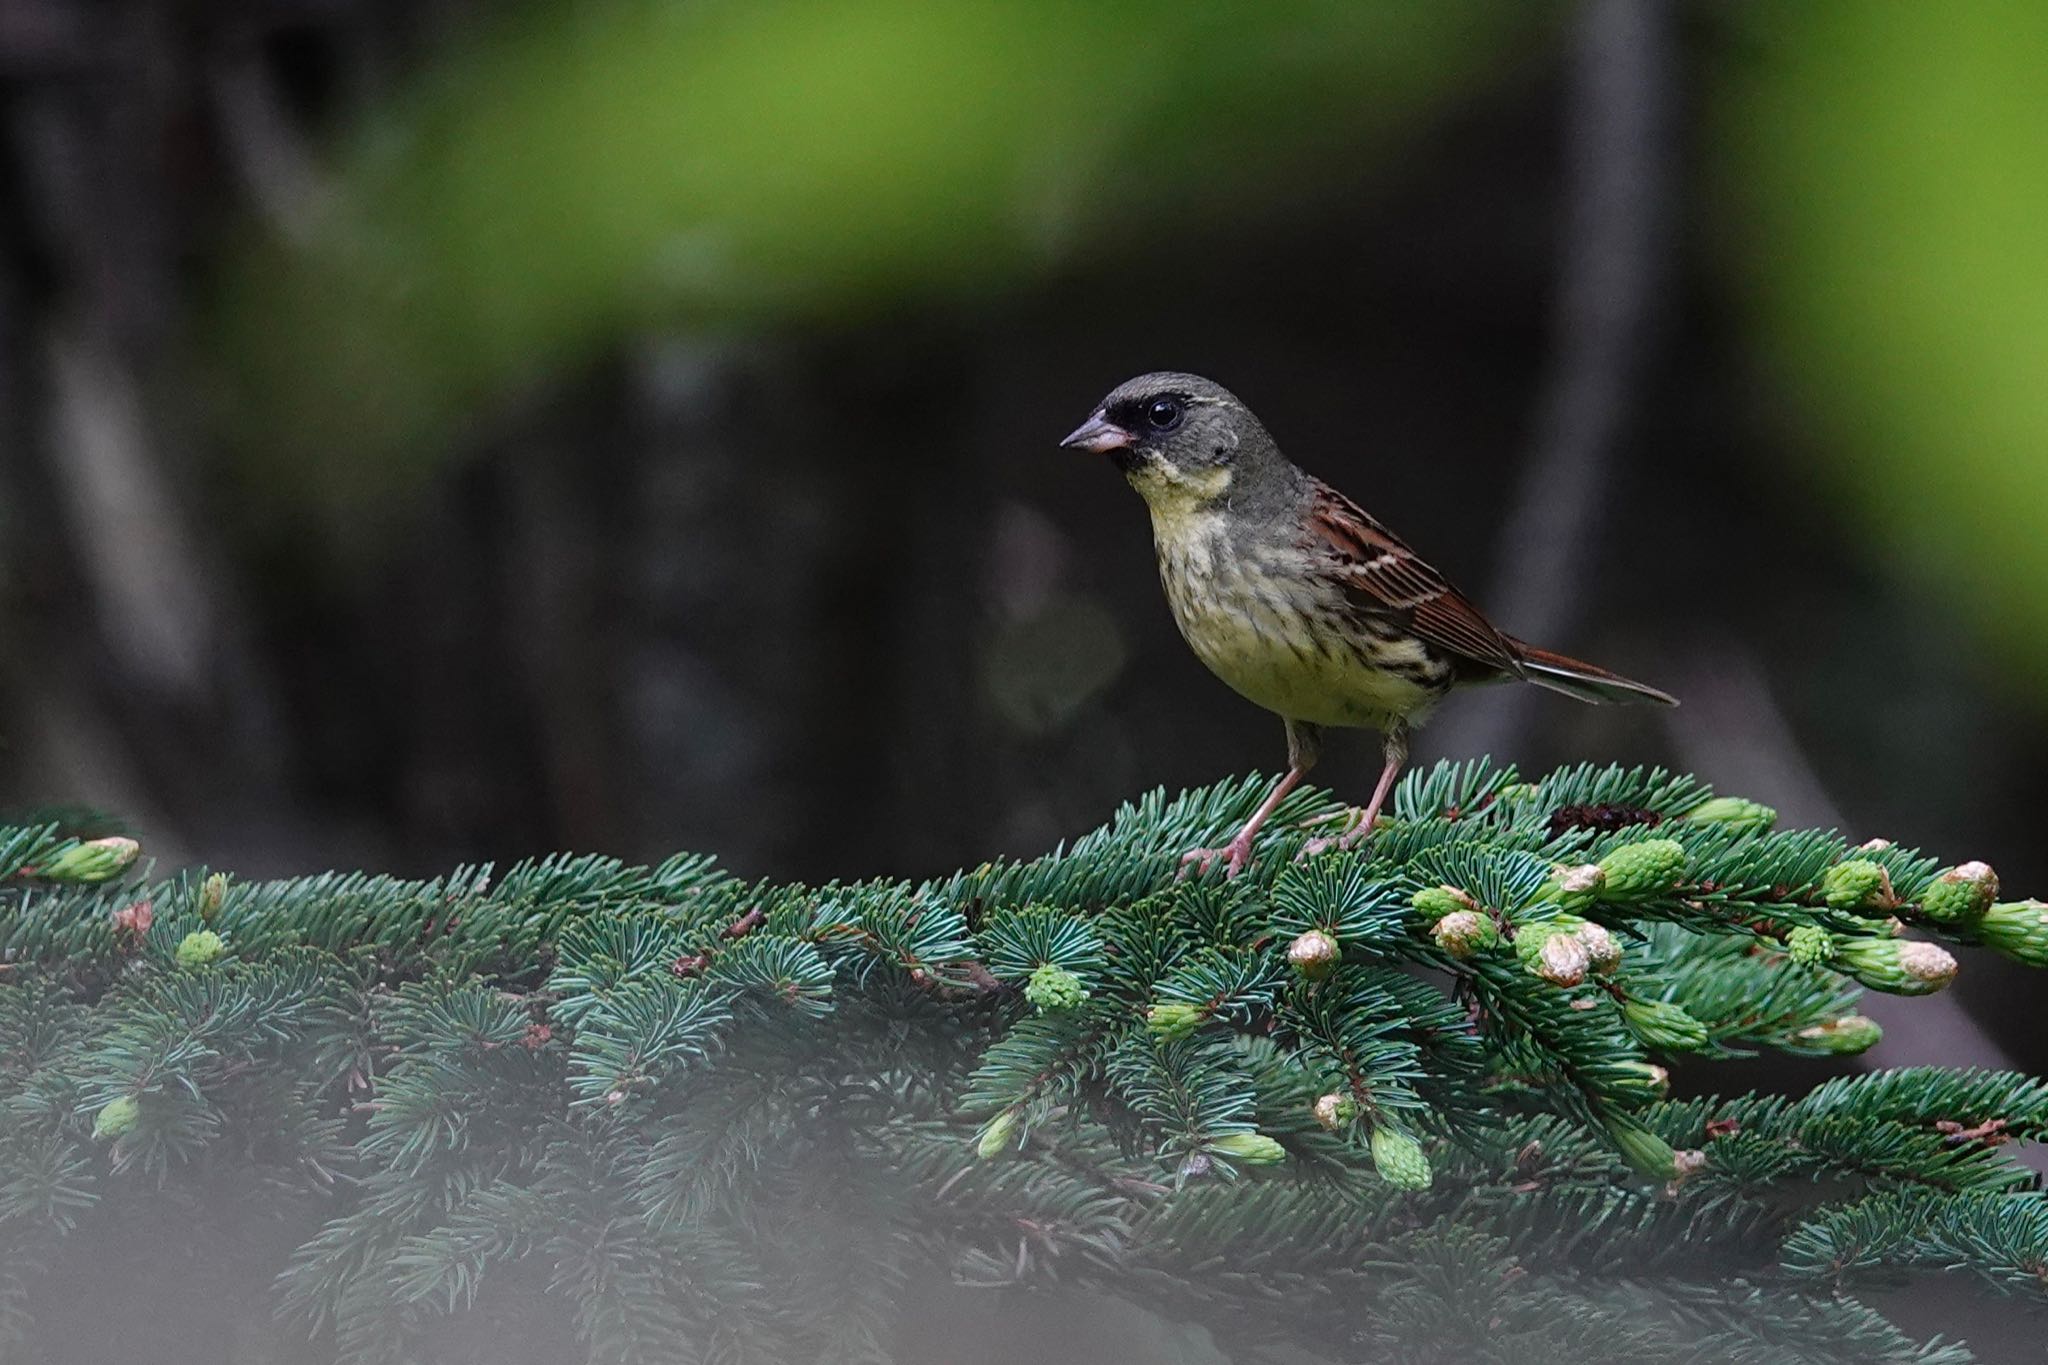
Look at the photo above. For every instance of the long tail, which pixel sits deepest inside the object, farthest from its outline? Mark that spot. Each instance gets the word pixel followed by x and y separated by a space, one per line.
pixel 1574 678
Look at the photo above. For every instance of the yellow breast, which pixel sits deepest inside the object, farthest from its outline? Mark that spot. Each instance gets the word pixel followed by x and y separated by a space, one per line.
pixel 1268 636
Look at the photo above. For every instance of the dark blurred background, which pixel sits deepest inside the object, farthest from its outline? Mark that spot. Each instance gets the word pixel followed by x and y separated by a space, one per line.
pixel 441 430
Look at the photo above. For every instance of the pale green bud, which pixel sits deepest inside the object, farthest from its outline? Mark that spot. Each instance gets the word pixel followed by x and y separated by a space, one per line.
pixel 1054 988
pixel 119 1117
pixel 1645 1152
pixel 1960 894
pixel 1858 884
pixel 1563 960
pixel 200 947
pixel 1843 1037
pixel 1400 1159
pixel 1173 1019
pixel 1664 1026
pixel 1737 811
pixel 1810 946
pixel 1647 1081
pixel 213 893
pixel 1434 902
pixel 1253 1149
pixel 95 860
pixel 2018 929
pixel 1896 965
pixel 1463 933
pixel 1530 935
pixel 1639 870
pixel 997 1135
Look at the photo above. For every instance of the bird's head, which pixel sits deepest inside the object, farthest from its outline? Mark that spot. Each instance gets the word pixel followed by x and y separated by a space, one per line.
pixel 1181 440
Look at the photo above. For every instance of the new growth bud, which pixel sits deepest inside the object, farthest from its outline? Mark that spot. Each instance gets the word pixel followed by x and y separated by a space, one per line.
pixel 1640 870
pixel 1562 960
pixel 1553 950
pixel 1898 966
pixel 1809 945
pixel 1314 954
pixel 1575 888
pixel 199 948
pixel 1646 1153
pixel 1583 879
pixel 95 860
pixel 1335 1110
pixel 1961 894
pixel 1858 884
pixel 2018 929
pixel 1054 988
pixel 119 1117
pixel 1253 1149
pixel 1463 933
pixel 213 893
pixel 1603 950
pixel 1400 1159
pixel 1842 1037
pixel 1647 1081
pixel 997 1135
pixel 1736 811
pixel 1664 1026
pixel 1433 902
pixel 1173 1019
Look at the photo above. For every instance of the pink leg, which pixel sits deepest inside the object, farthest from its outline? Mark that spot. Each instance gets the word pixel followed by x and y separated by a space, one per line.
pixel 1238 851
pixel 1301 756
pixel 1355 832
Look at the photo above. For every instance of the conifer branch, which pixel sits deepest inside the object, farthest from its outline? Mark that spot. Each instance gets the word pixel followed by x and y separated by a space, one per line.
pixel 1332 1104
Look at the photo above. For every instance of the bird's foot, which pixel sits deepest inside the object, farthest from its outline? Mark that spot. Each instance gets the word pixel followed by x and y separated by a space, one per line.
pixel 1357 824
pixel 1233 855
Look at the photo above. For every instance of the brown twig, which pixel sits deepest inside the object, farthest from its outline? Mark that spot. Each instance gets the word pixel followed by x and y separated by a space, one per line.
pixel 745 924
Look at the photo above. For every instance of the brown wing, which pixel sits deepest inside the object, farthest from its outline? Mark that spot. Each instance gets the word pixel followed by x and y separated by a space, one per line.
pixel 1385 578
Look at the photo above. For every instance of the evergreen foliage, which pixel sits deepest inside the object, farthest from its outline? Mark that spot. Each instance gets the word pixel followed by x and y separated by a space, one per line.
pixel 1404 1104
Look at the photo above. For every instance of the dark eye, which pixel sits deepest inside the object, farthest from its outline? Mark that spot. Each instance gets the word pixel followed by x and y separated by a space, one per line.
pixel 1164 414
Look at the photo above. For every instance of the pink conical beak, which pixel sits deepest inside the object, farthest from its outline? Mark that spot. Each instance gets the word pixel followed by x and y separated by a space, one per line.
pixel 1098 434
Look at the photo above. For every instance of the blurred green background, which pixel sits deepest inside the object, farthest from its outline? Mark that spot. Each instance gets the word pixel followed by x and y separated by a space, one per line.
pixel 451 429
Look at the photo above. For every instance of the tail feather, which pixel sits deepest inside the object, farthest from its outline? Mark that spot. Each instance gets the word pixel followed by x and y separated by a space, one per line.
pixel 1587 682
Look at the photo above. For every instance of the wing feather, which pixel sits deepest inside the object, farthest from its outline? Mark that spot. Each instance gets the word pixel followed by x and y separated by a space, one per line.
pixel 1384 578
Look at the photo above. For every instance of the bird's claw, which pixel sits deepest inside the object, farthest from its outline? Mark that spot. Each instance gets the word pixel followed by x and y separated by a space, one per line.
pixel 1353 834
pixel 1233 855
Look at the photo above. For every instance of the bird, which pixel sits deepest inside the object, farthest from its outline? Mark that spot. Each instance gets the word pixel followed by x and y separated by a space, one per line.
pixel 1298 598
